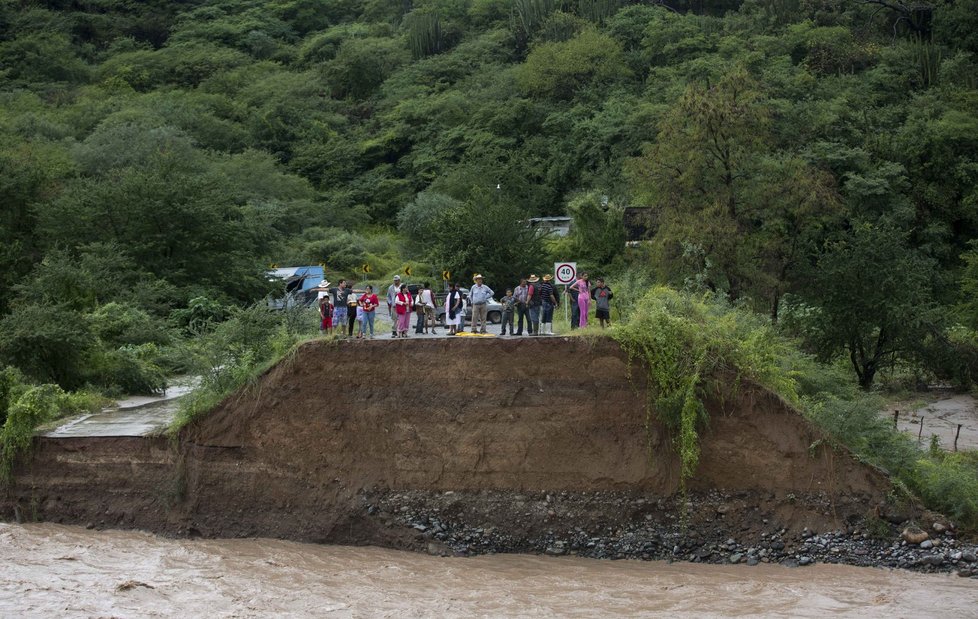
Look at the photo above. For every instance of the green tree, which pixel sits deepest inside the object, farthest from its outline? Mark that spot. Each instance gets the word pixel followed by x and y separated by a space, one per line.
pixel 487 235
pixel 29 172
pixel 875 299
pixel 598 231
pixel 967 306
pixel 416 220
pixel 362 65
pixel 42 57
pixel 560 69
pixel 696 174
pixel 732 212
pixel 49 343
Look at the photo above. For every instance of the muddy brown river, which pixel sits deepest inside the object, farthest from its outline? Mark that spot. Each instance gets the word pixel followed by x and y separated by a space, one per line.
pixel 57 571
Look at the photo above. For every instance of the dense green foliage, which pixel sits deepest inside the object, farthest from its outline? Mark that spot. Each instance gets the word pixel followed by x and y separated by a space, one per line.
pixel 171 151
pixel 946 482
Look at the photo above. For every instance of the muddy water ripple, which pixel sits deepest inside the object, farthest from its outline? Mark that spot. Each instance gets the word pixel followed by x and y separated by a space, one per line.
pixel 51 570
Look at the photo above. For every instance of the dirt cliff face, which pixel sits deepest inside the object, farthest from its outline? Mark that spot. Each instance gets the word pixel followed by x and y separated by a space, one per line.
pixel 528 414
pixel 327 434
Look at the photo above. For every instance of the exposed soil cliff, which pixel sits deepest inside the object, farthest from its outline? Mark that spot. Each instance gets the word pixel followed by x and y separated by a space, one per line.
pixel 318 447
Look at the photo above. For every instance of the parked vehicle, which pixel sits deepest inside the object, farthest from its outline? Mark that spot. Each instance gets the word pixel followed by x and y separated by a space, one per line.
pixel 299 282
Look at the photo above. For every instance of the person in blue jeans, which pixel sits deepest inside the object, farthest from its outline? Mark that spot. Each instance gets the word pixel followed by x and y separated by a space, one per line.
pixel 369 302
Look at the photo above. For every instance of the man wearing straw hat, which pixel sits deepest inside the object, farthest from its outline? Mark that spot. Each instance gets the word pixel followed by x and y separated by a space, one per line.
pixel 548 297
pixel 479 296
pixel 534 301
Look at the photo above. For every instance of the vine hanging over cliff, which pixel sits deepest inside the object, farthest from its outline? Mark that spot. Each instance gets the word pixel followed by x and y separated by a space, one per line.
pixel 694 348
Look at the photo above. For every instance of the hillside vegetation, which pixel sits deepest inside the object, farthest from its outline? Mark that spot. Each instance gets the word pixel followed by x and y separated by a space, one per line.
pixel 814 161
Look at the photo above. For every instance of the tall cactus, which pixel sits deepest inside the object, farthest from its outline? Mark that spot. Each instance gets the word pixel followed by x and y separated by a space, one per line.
pixel 529 14
pixel 424 33
pixel 928 57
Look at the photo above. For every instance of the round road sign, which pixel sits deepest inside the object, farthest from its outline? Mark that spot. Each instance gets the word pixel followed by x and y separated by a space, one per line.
pixel 565 272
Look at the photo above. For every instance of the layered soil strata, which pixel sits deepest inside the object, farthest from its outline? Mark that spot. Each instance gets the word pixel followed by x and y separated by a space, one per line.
pixel 319 446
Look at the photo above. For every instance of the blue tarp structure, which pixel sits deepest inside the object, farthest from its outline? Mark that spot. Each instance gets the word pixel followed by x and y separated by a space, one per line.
pixel 298 280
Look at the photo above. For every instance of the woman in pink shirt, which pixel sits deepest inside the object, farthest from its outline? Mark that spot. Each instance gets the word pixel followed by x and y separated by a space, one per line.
pixel 583 288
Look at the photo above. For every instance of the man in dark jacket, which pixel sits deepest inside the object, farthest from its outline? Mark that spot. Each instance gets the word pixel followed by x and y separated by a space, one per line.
pixel 602 296
pixel 548 300
pixel 575 309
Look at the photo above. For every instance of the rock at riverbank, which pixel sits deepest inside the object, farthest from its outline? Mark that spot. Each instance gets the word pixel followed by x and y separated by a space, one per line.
pixel 618 525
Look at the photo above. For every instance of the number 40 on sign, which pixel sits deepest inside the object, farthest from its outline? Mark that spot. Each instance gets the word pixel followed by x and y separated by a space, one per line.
pixel 565 272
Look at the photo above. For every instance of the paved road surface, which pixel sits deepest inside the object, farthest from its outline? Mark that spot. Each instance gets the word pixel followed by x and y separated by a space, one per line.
pixel 136 416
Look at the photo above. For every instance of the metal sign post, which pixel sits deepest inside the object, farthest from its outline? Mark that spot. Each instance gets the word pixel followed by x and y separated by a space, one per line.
pixel 565 273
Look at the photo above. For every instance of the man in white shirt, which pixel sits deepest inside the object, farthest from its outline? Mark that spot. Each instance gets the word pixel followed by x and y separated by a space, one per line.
pixel 479 296
pixel 426 298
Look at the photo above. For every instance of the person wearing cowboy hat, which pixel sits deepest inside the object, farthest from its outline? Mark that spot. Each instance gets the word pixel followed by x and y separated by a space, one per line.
pixel 479 297
pixel 548 297
pixel 534 301
pixel 392 292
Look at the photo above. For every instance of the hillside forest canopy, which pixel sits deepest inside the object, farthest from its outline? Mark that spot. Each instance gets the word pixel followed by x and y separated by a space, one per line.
pixel 813 161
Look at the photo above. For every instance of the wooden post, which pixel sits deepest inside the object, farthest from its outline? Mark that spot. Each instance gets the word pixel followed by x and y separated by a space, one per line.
pixel 920 433
pixel 956 435
pixel 896 417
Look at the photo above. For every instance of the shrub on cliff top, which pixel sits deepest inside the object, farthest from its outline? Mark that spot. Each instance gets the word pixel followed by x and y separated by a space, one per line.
pixel 37 405
pixel 29 407
pixel 692 347
pixel 238 350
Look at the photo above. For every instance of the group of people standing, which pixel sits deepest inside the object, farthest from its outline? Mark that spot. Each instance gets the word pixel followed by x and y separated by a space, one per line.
pixel 533 301
pixel 344 308
pixel 400 304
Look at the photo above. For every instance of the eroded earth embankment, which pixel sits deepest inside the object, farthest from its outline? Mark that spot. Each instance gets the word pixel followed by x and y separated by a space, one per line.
pixel 461 446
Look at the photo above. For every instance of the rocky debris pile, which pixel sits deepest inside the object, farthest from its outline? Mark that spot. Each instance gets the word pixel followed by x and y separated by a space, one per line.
pixel 709 528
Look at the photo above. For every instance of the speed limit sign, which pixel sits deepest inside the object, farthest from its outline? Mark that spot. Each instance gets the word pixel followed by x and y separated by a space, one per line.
pixel 565 272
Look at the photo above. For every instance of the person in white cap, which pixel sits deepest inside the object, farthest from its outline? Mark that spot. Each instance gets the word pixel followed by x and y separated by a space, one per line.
pixel 392 292
pixel 479 296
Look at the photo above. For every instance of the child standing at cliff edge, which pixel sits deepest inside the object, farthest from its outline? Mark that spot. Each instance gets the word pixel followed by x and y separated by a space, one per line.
pixel 509 307
pixel 325 310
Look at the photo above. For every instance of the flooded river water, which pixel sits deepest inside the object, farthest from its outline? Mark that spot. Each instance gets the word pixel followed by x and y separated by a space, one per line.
pixel 56 571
